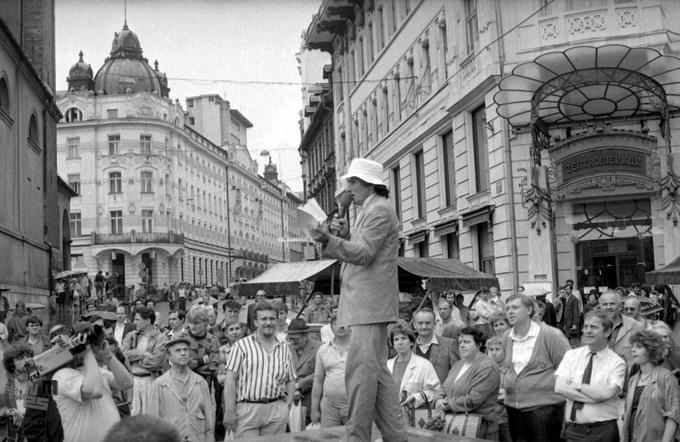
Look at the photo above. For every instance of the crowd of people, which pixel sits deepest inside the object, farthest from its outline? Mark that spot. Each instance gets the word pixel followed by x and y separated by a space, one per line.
pixel 510 368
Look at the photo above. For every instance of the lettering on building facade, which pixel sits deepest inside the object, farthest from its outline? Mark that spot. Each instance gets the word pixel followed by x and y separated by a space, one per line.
pixel 604 161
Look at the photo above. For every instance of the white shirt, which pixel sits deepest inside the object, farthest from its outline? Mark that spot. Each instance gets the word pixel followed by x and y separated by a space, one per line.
pixel 118 332
pixel 522 348
pixel 326 333
pixel 84 420
pixel 608 368
pixel 424 347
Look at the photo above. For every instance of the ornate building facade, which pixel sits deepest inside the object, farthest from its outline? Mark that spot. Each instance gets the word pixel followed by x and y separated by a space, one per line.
pixel 317 147
pixel 159 200
pixel 534 142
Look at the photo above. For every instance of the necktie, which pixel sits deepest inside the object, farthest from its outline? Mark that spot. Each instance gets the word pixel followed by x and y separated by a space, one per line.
pixel 585 380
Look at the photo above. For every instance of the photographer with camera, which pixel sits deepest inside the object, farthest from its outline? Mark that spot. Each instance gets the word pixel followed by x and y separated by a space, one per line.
pixel 83 393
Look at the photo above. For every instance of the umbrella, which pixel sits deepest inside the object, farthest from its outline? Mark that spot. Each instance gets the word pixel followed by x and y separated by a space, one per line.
pixel 648 306
pixel 63 274
pixel 105 315
pixel 34 306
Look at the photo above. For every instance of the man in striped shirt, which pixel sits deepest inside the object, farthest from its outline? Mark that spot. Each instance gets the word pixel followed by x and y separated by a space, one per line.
pixel 260 380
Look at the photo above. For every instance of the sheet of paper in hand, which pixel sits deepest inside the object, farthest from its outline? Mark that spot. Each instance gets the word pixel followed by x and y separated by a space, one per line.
pixel 310 215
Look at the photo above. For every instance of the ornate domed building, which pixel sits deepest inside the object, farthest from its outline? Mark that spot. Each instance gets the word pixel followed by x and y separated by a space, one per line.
pixel 126 71
pixel 152 179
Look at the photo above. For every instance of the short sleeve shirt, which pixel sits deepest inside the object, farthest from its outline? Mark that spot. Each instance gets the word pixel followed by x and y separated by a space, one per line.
pixel 83 420
pixel 261 374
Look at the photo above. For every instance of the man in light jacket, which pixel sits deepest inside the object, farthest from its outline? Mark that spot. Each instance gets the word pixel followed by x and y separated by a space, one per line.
pixel 369 300
pixel 182 397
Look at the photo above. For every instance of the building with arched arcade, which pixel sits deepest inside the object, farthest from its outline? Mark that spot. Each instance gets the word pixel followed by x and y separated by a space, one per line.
pixel 164 194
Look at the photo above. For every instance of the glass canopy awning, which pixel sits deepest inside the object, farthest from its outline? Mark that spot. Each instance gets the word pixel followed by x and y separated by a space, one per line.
pixel 588 83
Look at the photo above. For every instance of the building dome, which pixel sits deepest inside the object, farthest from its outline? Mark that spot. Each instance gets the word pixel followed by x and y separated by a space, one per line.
pixel 126 71
pixel 80 75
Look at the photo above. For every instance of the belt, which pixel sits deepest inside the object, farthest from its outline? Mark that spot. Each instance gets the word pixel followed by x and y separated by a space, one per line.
pixel 592 424
pixel 262 401
pixel 141 375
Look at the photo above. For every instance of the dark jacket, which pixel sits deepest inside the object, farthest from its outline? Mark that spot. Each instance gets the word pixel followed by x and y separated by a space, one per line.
pixel 42 422
pixel 304 369
pixel 442 356
pixel 572 317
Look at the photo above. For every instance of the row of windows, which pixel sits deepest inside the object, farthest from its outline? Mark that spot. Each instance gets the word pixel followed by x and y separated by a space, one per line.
pixel 147 215
pixel 374 28
pixel 73 143
pixel 115 182
pixel 399 96
pixel 480 156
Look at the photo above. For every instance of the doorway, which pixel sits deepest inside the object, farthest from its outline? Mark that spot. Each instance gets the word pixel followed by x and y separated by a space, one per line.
pixel 118 267
pixel 614 262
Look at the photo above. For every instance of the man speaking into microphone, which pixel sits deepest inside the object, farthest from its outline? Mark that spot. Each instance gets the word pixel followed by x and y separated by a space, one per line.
pixel 369 300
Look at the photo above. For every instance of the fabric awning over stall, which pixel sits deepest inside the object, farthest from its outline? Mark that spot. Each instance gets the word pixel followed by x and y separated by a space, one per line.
pixel 443 274
pixel 668 274
pixel 283 279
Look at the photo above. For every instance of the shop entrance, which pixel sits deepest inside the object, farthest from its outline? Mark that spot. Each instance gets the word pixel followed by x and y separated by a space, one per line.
pixel 614 262
pixel 118 267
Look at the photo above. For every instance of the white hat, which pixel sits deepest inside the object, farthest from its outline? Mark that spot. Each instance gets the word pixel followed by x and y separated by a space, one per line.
pixel 366 170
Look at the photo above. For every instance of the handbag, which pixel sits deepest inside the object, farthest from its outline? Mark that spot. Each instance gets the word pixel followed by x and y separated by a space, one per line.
pixel 463 424
pixel 422 416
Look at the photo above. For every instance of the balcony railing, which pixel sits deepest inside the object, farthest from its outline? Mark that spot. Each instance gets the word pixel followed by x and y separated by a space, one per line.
pixel 138 237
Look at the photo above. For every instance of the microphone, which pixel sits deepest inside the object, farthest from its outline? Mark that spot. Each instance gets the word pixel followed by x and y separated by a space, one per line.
pixel 344 199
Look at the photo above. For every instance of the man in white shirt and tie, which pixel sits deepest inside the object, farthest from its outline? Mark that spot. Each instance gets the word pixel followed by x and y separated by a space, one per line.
pixel 590 378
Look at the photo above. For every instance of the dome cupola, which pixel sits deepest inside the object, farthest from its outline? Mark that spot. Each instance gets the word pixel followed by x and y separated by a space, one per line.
pixel 80 76
pixel 126 71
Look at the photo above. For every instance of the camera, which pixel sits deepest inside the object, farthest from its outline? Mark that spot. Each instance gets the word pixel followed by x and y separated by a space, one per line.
pixel 63 350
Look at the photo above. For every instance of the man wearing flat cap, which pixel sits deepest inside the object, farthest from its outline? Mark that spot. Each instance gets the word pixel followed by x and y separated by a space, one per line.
pixel 304 360
pixel 182 397
pixel 369 300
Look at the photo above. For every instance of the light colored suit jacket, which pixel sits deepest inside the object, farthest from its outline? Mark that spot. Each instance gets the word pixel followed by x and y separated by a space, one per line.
pixel 419 376
pixel 621 344
pixel 369 290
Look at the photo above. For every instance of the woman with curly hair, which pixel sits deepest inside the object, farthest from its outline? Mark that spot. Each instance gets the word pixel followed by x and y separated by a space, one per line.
pixel 12 415
pixel 653 397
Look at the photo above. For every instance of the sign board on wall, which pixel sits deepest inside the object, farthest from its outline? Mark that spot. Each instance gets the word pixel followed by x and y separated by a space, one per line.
pixel 604 160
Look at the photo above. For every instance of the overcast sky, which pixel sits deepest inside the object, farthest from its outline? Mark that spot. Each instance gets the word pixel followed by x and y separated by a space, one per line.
pixel 240 40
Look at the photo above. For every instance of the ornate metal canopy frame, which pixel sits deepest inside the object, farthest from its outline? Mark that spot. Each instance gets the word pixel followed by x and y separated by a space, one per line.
pixel 586 85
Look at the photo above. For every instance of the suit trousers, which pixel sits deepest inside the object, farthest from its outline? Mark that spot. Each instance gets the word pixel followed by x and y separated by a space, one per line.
pixel 371 391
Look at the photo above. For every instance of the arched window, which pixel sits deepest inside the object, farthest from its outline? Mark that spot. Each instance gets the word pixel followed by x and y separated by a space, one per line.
pixel 33 133
pixel 4 95
pixel 73 114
